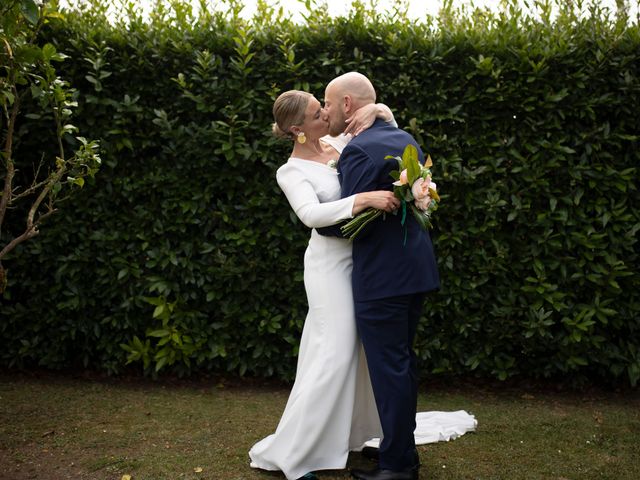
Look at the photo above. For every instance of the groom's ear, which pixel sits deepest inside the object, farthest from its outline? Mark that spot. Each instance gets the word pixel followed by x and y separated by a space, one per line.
pixel 348 104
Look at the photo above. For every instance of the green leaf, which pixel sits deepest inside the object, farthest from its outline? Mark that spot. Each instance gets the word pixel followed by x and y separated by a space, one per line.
pixel 9 96
pixel 48 51
pixel 52 14
pixel 411 163
pixel 154 300
pixel 161 363
pixel 419 216
pixel 28 54
pixel 30 11
pixel 159 310
pixel 59 57
pixel 159 333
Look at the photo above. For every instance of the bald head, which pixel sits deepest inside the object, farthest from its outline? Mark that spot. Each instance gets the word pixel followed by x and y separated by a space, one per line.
pixel 356 86
pixel 343 96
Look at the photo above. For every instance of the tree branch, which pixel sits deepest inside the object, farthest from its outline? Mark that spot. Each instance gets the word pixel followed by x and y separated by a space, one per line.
pixel 26 235
pixel 43 194
pixel 8 152
pixel 31 229
pixel 34 186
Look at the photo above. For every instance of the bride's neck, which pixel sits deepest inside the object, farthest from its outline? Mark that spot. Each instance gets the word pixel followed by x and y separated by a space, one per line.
pixel 309 149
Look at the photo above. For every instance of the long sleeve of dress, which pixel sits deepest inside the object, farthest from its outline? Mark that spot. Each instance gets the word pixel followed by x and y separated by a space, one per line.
pixel 305 202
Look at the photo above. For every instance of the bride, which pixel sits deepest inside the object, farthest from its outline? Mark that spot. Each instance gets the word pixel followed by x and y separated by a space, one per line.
pixel 331 409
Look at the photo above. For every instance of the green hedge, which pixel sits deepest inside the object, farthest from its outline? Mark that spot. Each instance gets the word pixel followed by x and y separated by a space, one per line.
pixel 533 128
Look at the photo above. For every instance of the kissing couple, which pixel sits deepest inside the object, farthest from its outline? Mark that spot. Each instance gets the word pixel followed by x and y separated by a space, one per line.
pixel 356 376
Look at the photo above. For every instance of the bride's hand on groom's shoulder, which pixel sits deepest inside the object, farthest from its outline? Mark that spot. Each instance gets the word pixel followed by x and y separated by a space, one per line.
pixel 364 117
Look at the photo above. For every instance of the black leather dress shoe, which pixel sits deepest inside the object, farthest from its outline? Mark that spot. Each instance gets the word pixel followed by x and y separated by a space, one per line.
pixel 372 453
pixel 377 474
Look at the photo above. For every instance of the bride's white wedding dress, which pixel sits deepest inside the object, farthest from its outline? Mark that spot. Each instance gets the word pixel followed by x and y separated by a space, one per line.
pixel 331 409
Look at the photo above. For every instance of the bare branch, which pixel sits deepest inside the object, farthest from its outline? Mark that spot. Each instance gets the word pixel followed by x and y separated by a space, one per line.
pixel 28 191
pixel 34 185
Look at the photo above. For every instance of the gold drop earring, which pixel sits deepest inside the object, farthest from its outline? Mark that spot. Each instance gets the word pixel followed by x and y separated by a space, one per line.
pixel 301 138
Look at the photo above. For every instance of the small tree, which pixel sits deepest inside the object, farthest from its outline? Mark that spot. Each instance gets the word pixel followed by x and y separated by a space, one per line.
pixel 26 69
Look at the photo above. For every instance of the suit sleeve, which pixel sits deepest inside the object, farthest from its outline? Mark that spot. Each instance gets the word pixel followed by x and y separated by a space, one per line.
pixel 357 175
pixel 306 205
pixel 358 172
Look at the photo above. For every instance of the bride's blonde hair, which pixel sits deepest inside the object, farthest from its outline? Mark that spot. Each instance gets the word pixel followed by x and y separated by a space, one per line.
pixel 288 110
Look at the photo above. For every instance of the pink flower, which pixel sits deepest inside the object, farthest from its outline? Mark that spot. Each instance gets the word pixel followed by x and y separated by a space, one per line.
pixel 423 203
pixel 403 178
pixel 420 188
pixel 421 192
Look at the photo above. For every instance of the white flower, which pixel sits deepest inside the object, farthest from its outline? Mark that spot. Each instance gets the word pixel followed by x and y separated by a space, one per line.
pixel 333 163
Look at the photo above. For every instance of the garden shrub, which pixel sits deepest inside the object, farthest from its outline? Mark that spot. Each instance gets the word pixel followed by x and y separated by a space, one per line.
pixel 183 254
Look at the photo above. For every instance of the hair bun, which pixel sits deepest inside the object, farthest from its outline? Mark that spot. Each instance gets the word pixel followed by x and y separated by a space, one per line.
pixel 278 132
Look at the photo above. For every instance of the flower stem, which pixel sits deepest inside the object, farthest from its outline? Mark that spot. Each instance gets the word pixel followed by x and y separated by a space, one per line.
pixel 355 226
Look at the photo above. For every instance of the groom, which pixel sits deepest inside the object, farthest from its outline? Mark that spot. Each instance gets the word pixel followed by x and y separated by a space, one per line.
pixel 392 271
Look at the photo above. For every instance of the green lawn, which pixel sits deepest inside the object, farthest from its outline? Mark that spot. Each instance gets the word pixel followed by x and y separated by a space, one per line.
pixel 59 427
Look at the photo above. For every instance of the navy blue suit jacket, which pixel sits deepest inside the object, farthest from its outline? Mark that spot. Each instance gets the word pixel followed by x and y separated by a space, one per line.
pixel 384 265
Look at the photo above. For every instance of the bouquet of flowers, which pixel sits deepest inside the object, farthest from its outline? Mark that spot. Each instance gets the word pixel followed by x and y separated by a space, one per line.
pixel 414 189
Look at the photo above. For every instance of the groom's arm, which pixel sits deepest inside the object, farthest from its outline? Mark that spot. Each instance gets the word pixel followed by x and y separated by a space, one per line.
pixel 358 174
pixel 333 230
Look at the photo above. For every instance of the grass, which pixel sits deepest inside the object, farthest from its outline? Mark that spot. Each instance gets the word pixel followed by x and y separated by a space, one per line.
pixel 63 427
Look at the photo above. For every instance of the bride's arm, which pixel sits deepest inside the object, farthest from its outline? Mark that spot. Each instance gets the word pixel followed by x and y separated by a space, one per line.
pixel 305 203
pixel 364 117
pixel 314 214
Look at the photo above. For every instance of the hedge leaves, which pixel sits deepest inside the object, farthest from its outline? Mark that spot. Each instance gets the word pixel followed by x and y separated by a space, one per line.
pixel 533 128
